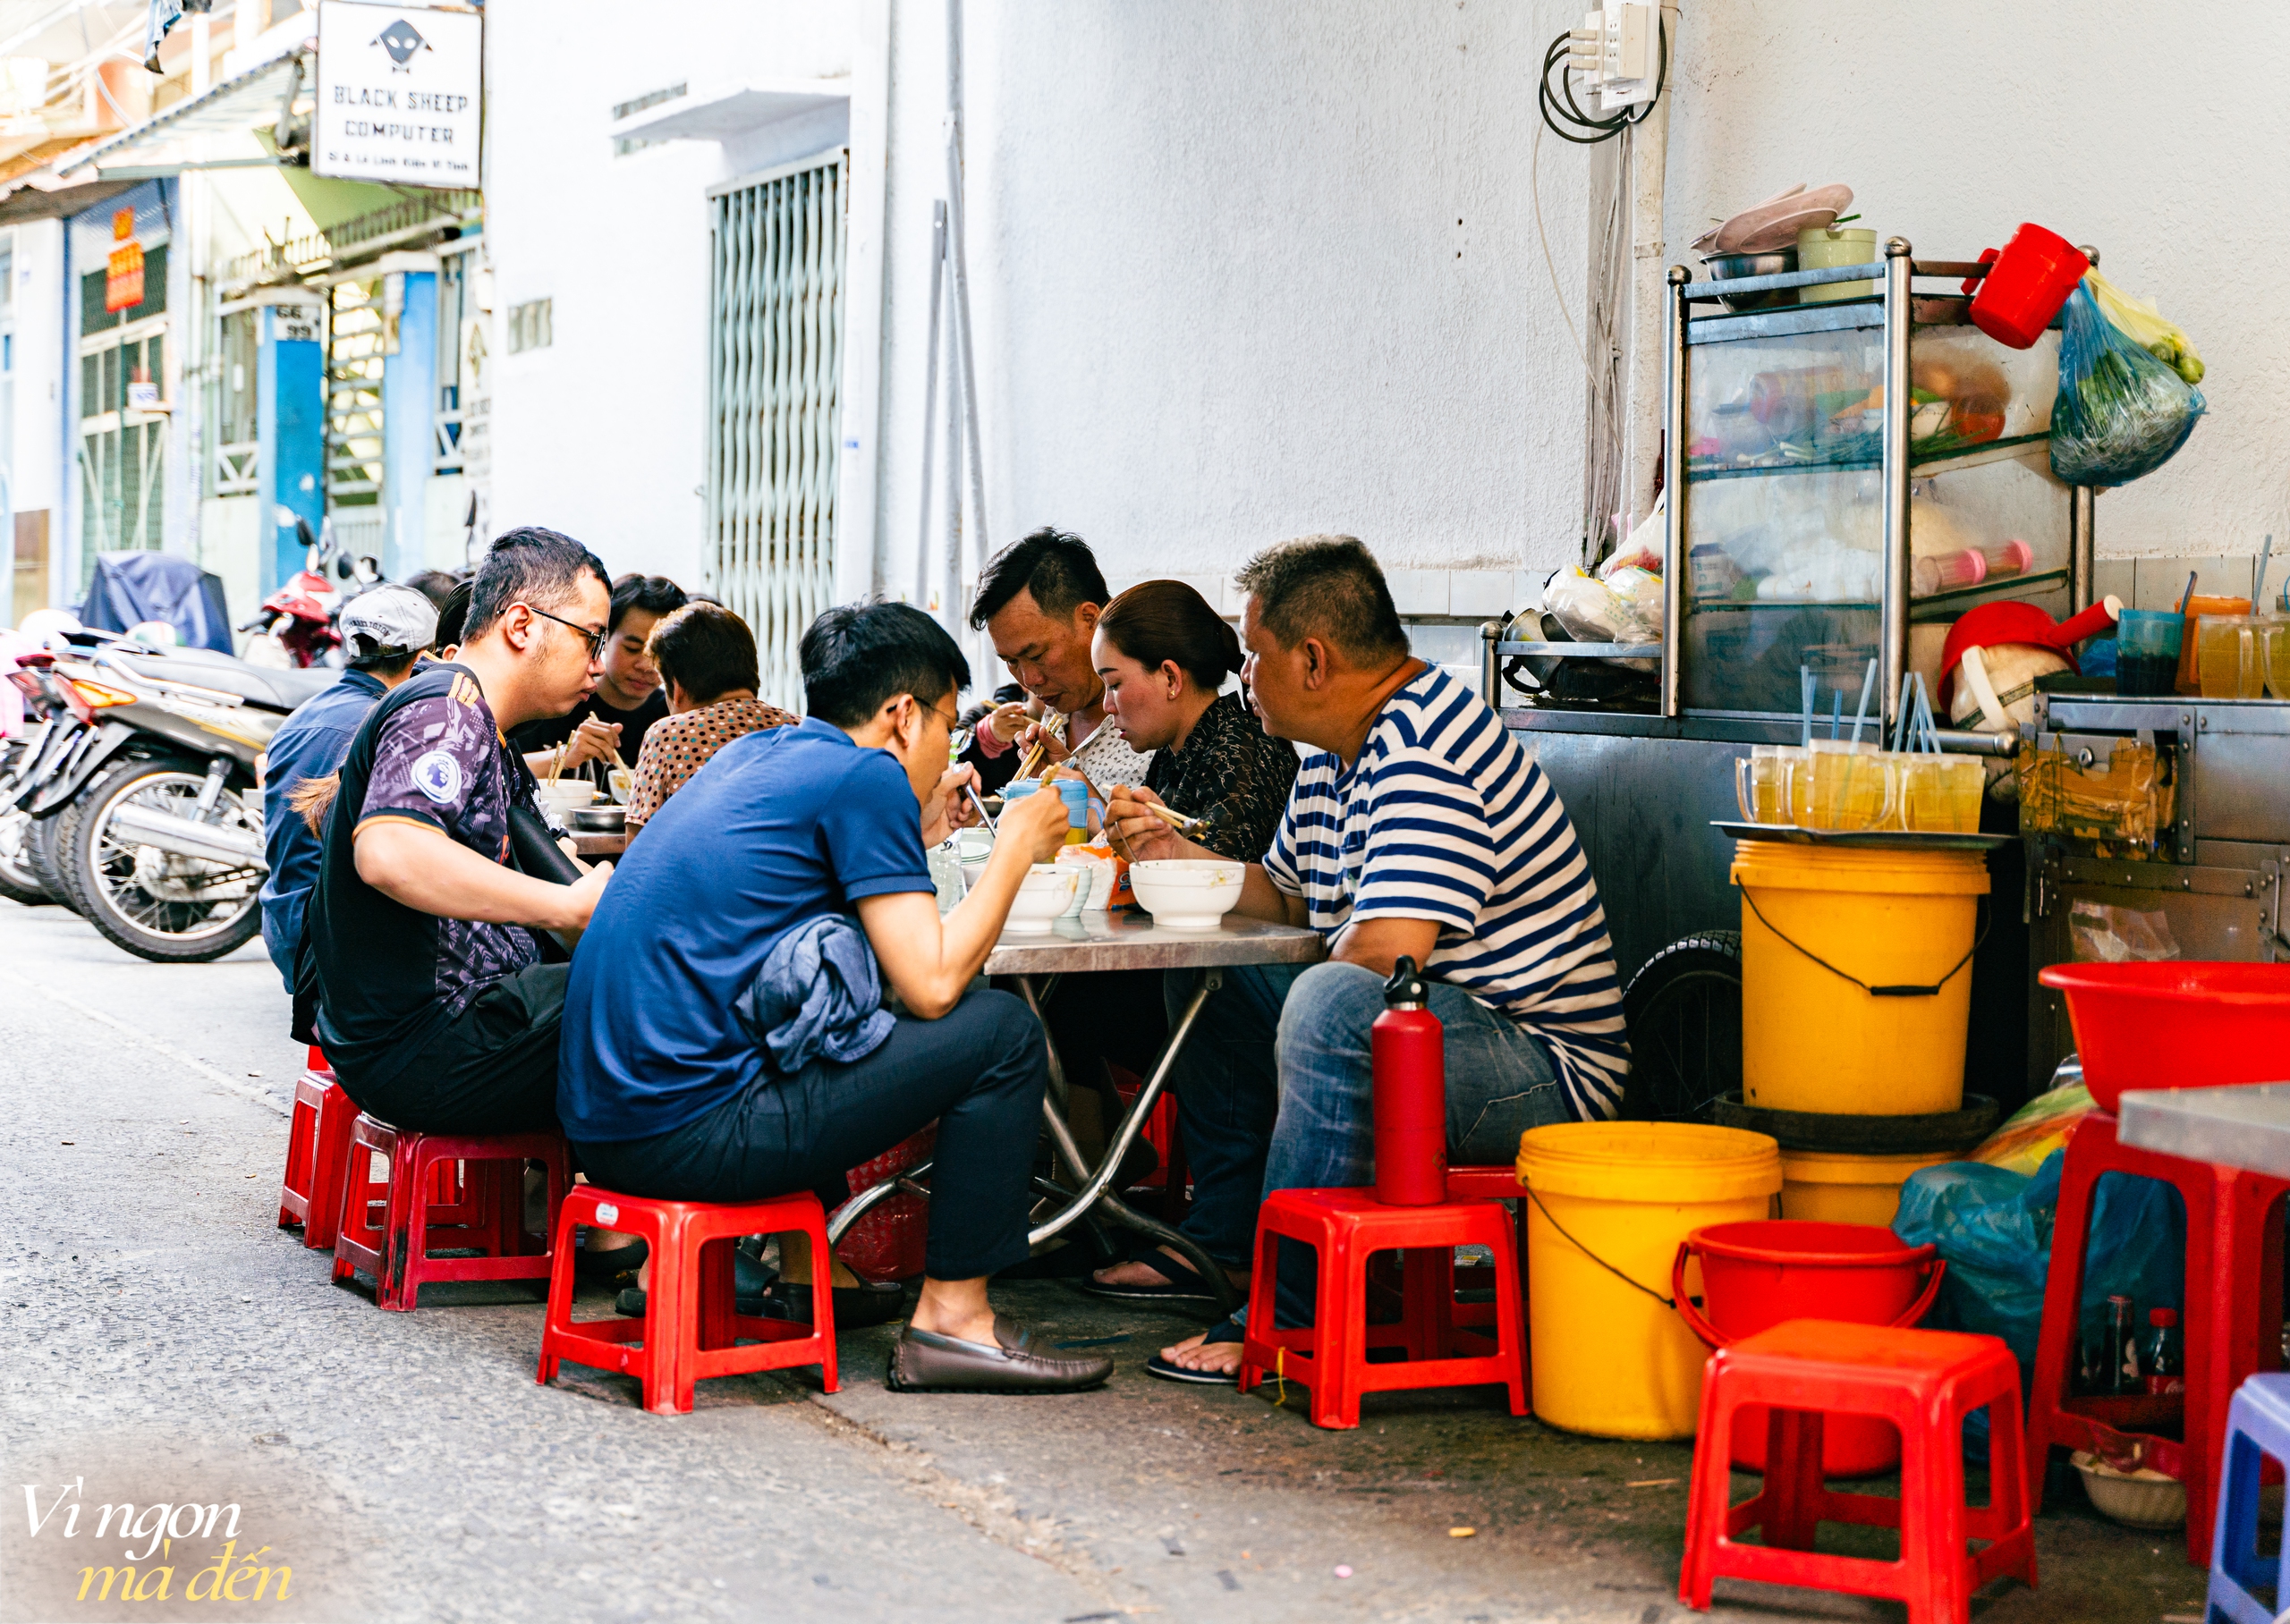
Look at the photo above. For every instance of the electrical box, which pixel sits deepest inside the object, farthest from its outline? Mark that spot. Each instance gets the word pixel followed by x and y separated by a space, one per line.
pixel 1617 53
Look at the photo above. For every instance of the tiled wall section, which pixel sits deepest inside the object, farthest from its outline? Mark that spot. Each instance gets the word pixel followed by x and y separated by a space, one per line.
pixel 1484 594
pixel 2141 583
pixel 2158 583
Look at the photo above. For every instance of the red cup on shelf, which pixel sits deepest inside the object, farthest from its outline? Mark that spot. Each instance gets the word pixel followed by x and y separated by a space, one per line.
pixel 2027 282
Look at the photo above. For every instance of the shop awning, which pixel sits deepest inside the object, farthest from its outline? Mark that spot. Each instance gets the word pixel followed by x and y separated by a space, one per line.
pixel 158 143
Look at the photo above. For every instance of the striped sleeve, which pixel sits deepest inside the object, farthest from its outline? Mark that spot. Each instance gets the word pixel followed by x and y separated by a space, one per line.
pixel 1429 853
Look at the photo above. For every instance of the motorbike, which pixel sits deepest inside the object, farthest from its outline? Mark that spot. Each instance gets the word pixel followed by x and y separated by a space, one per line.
pixel 295 627
pixel 139 789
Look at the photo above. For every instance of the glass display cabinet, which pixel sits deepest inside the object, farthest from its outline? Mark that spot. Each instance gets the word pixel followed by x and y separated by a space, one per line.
pixel 1850 465
pixel 1849 470
pixel 1840 471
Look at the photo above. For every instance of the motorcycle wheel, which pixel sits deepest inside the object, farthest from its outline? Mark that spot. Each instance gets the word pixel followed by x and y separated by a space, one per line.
pixel 18 881
pixel 1683 1012
pixel 44 856
pixel 147 901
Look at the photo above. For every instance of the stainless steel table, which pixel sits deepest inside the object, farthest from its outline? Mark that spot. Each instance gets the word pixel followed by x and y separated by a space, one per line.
pixel 2247 1125
pixel 1089 943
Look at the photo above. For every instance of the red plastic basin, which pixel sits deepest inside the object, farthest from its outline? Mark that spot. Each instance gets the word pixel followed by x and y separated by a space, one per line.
pixel 2176 1025
pixel 1757 1273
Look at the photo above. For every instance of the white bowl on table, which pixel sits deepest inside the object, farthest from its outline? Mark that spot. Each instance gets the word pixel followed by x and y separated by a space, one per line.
pixel 973 848
pixel 1046 891
pixel 563 796
pixel 1187 893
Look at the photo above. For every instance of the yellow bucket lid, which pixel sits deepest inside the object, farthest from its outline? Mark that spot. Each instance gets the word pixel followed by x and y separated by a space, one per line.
pixel 1833 1167
pixel 1884 870
pixel 1664 1162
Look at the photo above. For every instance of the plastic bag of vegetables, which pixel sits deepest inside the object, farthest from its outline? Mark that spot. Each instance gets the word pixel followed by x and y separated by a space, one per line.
pixel 2121 413
pixel 2148 327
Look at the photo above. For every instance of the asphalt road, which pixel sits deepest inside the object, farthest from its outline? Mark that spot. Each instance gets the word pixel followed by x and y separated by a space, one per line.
pixel 170 1346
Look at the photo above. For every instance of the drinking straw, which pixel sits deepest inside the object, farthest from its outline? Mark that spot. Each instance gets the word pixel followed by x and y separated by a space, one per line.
pixel 1861 711
pixel 2187 597
pixel 1805 701
pixel 1836 710
pixel 1901 715
pixel 1928 730
pixel 2257 587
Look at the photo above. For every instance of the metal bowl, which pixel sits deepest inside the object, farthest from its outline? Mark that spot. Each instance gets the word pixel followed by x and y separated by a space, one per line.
pixel 600 820
pixel 1723 267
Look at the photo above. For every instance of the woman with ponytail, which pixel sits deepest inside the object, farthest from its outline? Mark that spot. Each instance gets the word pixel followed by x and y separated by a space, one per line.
pixel 1163 653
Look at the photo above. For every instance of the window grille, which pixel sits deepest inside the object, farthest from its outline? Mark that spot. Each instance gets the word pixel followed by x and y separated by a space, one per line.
pixel 775 393
pixel 353 396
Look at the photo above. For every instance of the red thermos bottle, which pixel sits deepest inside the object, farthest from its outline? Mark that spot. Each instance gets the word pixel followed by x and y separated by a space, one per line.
pixel 1408 1053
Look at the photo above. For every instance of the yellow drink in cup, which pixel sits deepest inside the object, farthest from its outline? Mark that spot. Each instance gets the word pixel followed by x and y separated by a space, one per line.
pixel 2274 653
pixel 1940 794
pixel 1843 786
pixel 1761 783
pixel 2228 664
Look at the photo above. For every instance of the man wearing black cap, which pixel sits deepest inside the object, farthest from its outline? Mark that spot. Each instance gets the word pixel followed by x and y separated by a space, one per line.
pixel 384 631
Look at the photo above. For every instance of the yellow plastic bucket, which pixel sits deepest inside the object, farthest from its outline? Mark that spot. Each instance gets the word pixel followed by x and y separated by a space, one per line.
pixel 1607 1204
pixel 1832 1188
pixel 1823 927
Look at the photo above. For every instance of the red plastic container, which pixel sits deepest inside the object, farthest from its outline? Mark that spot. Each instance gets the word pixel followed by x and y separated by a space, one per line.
pixel 1755 1275
pixel 1408 1054
pixel 2179 1024
pixel 2027 282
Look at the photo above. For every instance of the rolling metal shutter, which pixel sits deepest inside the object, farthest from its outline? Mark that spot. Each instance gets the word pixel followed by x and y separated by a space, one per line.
pixel 774 387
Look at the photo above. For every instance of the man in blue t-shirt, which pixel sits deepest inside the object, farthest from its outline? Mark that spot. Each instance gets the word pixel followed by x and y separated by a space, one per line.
pixel 664 1088
pixel 1418 828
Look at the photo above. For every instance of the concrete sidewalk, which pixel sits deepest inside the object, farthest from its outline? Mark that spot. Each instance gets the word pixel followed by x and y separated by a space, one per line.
pixel 172 1346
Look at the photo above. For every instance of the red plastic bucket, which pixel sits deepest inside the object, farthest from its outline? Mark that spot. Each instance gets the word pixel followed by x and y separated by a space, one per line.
pixel 2025 286
pixel 1755 1275
pixel 2179 1024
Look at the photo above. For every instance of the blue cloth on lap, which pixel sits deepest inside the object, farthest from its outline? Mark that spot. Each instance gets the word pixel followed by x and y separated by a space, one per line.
pixel 818 993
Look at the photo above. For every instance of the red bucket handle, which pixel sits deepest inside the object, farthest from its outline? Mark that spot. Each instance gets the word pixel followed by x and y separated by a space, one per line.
pixel 1714 1338
pixel 1987 256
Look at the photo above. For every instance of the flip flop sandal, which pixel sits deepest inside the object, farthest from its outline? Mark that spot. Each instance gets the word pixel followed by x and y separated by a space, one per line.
pixel 1184 1283
pixel 1169 1370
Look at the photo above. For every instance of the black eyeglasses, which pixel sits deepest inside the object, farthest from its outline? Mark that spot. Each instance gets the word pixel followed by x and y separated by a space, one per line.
pixel 594 639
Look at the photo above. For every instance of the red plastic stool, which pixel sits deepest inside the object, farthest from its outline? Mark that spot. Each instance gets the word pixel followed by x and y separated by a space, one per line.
pixel 1330 1356
pixel 1925 1383
pixel 2232 1317
pixel 317 1148
pixel 692 1324
pixel 458 1192
pixel 1497 1183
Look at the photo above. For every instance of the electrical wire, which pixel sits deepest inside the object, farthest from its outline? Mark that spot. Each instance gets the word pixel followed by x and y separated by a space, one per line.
pixel 1603 128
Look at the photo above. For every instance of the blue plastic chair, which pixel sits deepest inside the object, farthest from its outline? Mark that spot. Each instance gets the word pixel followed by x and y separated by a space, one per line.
pixel 2258 1424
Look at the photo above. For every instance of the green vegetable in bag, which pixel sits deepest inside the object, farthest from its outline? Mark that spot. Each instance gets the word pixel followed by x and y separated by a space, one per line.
pixel 2121 413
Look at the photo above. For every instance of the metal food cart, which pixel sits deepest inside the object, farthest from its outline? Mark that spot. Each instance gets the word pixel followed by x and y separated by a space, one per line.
pixel 1816 455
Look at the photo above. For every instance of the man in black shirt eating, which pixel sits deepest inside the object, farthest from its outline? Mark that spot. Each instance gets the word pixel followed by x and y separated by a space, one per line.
pixel 435 1006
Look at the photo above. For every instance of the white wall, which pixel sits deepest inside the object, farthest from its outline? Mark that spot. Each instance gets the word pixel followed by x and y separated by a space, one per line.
pixel 601 433
pixel 1954 120
pixel 35 467
pixel 1243 272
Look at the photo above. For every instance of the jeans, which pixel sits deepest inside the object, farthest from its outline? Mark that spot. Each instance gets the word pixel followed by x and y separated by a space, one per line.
pixel 980 1072
pixel 1275 1091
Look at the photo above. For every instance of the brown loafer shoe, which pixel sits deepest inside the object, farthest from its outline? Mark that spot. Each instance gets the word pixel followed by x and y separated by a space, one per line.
pixel 926 1362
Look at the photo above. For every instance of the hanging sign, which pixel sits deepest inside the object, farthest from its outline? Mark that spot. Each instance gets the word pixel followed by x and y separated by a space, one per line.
pixel 123 271
pixel 400 94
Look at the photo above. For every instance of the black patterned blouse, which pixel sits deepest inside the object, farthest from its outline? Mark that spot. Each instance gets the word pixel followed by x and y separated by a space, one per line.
pixel 1228 761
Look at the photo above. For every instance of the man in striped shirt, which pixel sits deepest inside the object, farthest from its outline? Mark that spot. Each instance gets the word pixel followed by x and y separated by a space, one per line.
pixel 1418 827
